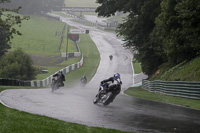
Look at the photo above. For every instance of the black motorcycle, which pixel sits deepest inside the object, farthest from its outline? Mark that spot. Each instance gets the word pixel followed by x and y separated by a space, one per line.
pixel 111 57
pixel 83 81
pixel 106 96
pixel 56 83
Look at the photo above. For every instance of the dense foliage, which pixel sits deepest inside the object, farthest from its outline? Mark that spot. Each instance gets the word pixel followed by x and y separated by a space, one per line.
pixel 17 65
pixel 136 28
pixel 160 30
pixel 7 21
pixel 178 29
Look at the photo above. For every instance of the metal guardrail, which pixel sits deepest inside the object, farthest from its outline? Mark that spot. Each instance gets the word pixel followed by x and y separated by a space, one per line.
pixel 186 89
pixel 14 82
pixel 102 26
pixel 79 9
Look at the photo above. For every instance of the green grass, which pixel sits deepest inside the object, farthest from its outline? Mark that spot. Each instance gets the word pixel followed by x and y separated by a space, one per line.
pixel 70 61
pixel 185 71
pixel 53 69
pixel 143 94
pixel 137 67
pixel 14 121
pixel 91 61
pixel 80 3
pixel 39 36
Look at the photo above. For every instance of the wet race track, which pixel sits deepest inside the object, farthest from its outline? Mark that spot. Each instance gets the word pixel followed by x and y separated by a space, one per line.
pixel 125 113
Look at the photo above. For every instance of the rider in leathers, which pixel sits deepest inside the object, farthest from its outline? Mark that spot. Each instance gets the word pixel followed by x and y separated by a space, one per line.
pixel 112 79
pixel 60 77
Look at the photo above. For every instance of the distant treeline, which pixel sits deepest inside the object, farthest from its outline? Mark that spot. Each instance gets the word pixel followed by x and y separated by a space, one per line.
pixel 35 6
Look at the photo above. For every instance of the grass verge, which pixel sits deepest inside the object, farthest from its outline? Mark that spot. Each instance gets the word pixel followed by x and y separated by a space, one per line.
pixel 136 66
pixel 91 61
pixel 185 71
pixel 42 36
pixel 143 94
pixel 14 121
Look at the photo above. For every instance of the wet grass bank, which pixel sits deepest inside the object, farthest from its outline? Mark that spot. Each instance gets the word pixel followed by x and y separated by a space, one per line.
pixel 143 94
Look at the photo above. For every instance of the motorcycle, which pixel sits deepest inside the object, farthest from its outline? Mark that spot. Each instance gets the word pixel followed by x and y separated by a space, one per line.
pixel 83 81
pixel 106 97
pixel 111 57
pixel 55 84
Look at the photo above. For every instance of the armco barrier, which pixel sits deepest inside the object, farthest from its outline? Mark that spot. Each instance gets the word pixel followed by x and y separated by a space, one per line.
pixel 47 81
pixel 14 82
pixel 75 54
pixel 186 89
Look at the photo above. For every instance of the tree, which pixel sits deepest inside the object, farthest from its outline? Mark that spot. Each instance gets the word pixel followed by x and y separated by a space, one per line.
pixel 17 65
pixel 167 31
pixel 137 28
pixel 177 29
pixel 7 21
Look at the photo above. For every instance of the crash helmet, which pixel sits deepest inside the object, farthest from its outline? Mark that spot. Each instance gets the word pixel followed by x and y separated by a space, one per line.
pixel 117 75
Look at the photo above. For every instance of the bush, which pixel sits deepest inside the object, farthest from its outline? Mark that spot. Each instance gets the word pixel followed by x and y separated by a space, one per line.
pixel 17 65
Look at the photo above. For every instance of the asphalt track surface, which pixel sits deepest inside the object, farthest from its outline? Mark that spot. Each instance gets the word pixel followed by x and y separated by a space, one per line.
pixel 125 113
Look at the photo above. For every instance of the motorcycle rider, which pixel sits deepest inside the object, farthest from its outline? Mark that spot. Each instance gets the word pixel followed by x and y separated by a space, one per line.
pixel 84 80
pixel 111 57
pixel 116 79
pixel 60 77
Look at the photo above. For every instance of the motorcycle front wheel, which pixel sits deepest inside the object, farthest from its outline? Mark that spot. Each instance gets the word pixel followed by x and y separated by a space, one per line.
pixel 108 99
pixel 54 85
pixel 95 101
